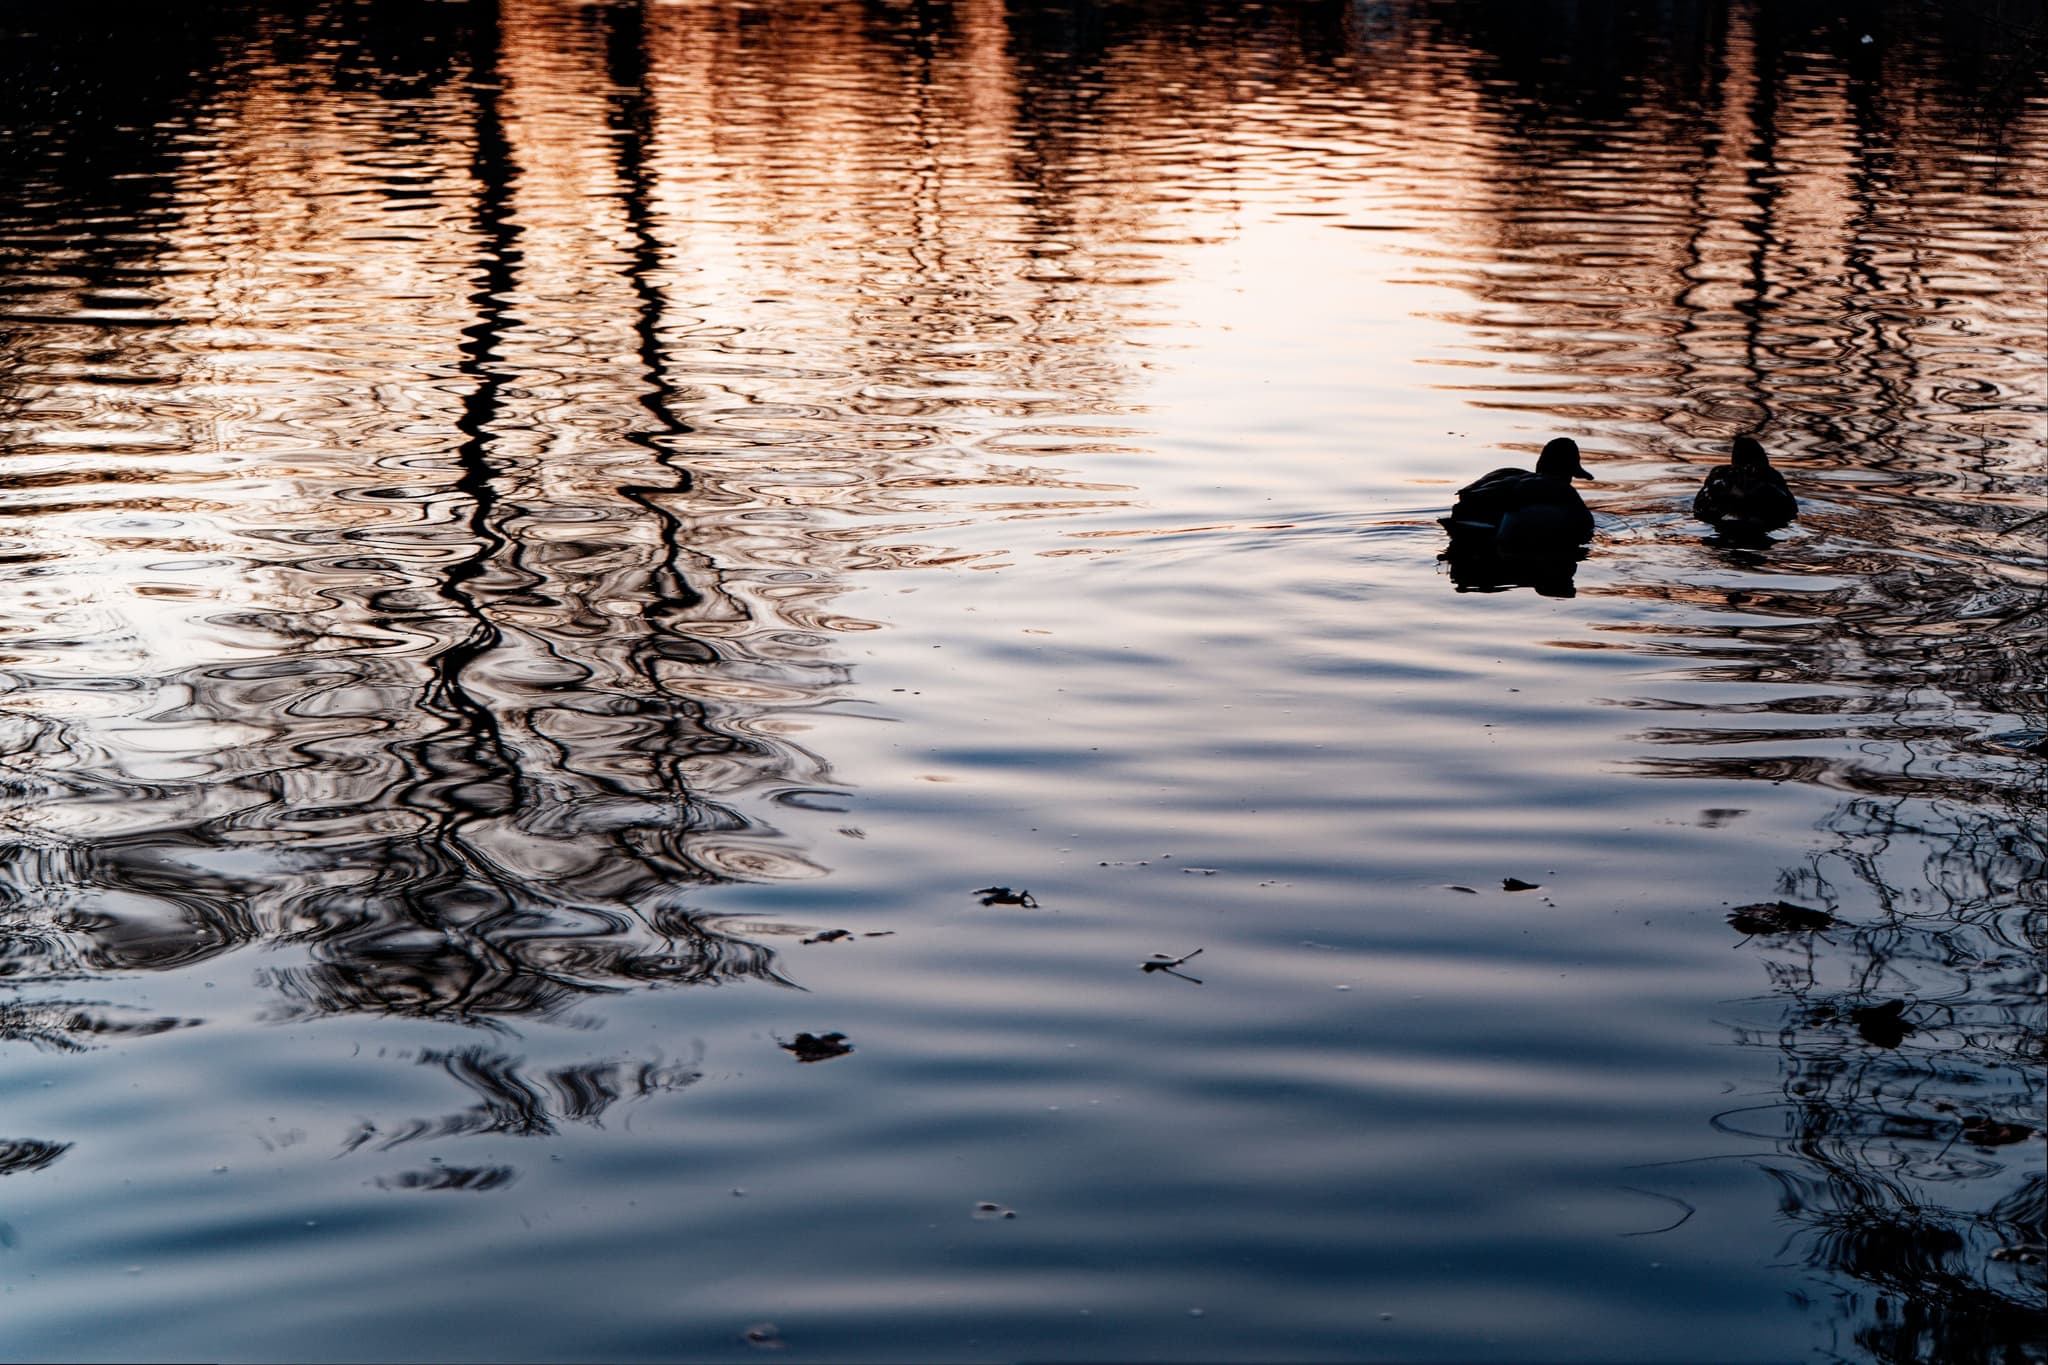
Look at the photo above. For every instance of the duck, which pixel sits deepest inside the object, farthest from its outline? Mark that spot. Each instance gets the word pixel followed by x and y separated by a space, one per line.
pixel 1523 513
pixel 1745 494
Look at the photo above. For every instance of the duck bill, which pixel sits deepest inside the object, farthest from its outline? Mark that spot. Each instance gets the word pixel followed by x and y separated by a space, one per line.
pixel 1580 473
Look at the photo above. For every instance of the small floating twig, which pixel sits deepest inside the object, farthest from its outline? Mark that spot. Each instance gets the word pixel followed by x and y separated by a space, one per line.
pixel 1690 1210
pixel 1162 963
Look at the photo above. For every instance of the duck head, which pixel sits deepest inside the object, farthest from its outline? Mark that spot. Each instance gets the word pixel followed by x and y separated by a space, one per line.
pixel 1750 455
pixel 1560 460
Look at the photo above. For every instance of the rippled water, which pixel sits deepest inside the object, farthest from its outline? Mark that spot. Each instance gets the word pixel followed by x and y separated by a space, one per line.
pixel 521 523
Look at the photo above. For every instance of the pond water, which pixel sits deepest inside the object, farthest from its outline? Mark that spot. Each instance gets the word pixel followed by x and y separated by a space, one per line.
pixel 564 568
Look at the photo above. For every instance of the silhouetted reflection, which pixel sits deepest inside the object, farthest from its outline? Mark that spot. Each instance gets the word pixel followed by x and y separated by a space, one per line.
pixel 1910 1128
pixel 1744 548
pixel 471 707
pixel 1479 566
pixel 477 1178
pixel 28 1154
pixel 73 1026
pixel 509 1100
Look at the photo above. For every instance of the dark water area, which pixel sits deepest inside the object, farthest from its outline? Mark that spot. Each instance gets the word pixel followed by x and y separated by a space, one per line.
pixel 631 635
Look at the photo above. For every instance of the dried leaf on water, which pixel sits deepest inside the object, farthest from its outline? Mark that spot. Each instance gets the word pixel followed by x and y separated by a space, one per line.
pixel 818 1047
pixel 1779 917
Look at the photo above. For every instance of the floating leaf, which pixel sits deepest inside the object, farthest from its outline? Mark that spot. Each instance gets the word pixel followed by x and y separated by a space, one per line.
pixel 1779 917
pixel 818 1047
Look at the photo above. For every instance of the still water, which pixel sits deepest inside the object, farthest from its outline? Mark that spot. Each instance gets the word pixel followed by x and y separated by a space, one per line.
pixel 548 549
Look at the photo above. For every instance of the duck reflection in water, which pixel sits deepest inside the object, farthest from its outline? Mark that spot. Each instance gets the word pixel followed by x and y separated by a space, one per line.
pixel 1521 528
pixel 1480 566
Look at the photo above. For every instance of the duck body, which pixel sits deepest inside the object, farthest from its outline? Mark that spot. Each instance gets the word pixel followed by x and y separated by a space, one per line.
pixel 1524 512
pixel 1745 494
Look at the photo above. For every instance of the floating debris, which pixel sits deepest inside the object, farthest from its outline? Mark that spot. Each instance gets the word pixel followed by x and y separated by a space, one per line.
pixel 1003 895
pixel 879 933
pixel 1466 889
pixel 1517 884
pixel 1779 917
pixel 830 936
pixel 818 1047
pixel 987 1211
pixel 764 1336
pixel 1162 963
pixel 1883 1025
pixel 1986 1132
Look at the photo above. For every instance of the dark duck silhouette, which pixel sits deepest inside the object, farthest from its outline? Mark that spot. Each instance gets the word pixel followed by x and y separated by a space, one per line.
pixel 1746 494
pixel 1519 513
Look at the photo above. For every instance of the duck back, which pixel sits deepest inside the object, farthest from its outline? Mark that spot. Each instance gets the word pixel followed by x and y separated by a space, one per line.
pixel 1734 496
pixel 1485 500
pixel 1541 525
pixel 1522 513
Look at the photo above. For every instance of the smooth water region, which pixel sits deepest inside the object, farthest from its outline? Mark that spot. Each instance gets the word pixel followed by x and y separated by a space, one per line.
pixel 565 568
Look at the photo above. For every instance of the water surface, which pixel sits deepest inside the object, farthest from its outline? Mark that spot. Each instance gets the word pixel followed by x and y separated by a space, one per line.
pixel 522 523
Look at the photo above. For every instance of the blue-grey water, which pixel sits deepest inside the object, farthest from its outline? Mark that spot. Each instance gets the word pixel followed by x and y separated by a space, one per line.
pixel 549 551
